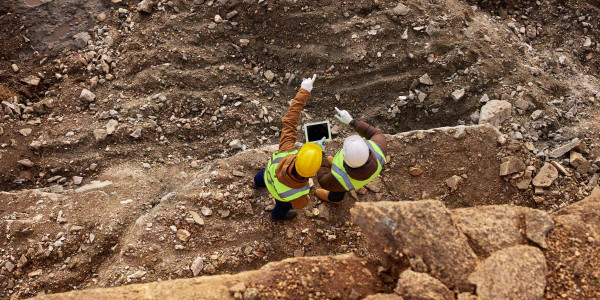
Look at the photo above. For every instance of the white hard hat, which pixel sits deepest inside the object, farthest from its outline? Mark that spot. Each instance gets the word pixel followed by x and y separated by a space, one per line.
pixel 356 151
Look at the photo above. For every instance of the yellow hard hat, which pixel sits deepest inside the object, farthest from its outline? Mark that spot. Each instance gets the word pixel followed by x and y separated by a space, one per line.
pixel 308 160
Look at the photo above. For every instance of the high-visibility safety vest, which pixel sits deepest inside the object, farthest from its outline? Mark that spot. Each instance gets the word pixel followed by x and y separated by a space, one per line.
pixel 349 183
pixel 277 189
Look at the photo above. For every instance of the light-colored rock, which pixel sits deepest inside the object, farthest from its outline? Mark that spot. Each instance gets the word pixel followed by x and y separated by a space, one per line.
pixel 25 131
pixel 111 126
pixel 31 80
pixel 77 180
pixel 426 80
pixel 420 232
pixel 87 96
pixel 517 272
pixel 575 159
pixel 146 6
pixel 545 176
pixel 458 94
pixel 495 112
pixel 25 162
pixel 511 165
pixel 564 149
pixel 400 10
pixel 269 75
pixel 81 40
pixel 413 285
pixel 94 185
pixel 197 219
pixel 99 135
pixel 495 227
pixel 183 235
pixel 244 42
pixel 236 144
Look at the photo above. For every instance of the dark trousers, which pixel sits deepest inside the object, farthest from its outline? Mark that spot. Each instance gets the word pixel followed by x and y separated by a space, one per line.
pixel 336 196
pixel 281 208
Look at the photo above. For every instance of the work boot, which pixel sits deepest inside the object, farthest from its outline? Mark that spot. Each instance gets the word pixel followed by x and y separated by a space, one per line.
pixel 291 214
pixel 324 195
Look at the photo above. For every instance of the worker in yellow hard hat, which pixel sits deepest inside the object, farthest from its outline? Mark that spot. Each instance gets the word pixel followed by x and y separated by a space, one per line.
pixel 288 170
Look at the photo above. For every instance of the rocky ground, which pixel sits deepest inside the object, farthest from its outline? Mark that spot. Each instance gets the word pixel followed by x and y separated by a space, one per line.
pixel 129 133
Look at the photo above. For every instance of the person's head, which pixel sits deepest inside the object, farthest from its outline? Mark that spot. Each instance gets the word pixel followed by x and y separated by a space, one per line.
pixel 356 151
pixel 308 160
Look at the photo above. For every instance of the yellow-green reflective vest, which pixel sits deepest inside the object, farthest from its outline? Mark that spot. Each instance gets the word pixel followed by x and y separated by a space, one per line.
pixel 349 183
pixel 277 189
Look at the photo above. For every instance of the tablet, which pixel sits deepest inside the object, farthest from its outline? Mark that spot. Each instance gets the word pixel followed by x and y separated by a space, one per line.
pixel 316 131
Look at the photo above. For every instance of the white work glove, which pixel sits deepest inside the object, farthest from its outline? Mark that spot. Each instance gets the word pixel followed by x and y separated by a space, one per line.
pixel 343 116
pixel 321 143
pixel 307 83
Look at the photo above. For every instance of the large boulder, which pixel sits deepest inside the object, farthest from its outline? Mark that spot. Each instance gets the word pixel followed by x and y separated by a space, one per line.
pixel 325 275
pixel 495 227
pixel 420 286
pixel 517 272
pixel 420 234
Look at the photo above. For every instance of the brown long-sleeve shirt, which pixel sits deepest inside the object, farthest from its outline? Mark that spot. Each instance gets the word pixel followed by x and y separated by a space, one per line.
pixel 286 169
pixel 330 183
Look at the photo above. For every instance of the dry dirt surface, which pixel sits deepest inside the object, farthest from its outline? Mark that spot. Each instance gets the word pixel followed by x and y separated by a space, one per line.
pixel 130 132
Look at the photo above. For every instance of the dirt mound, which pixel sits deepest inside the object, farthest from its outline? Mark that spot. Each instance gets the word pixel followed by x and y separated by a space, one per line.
pixel 117 120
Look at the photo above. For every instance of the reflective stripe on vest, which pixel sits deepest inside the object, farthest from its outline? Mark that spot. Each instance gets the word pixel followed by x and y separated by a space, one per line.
pixel 339 172
pixel 277 189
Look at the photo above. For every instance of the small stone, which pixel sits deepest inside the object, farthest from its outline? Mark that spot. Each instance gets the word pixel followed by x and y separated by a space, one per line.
pixel 415 171
pixel 183 235
pixel 230 15
pixel 146 6
pixel 224 213
pixel 269 75
pixel 31 80
pixel 25 131
pixel 587 43
pixel 197 218
pixel 99 135
pixel 453 182
pixel 81 40
pixel 111 126
pixel 35 273
pixel 575 159
pixel 548 173
pixel 146 166
pixel 77 180
pixel 244 42
pixel 101 17
pixel 218 19
pixel 25 162
pixel 564 149
pixel 197 265
pixel 522 104
pixel 495 112
pixel 15 68
pixel 136 133
pixel 426 80
pixel 206 211
pixel 9 266
pixel 484 99
pixel 87 96
pixel 511 165
pixel 458 94
pixel 236 144
pixel 536 114
pixel 400 10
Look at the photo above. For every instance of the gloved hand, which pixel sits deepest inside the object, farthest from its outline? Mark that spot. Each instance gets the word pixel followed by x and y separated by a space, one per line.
pixel 307 83
pixel 321 143
pixel 343 116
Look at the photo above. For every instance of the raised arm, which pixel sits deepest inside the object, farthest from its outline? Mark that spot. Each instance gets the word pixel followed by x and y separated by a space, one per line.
pixel 289 132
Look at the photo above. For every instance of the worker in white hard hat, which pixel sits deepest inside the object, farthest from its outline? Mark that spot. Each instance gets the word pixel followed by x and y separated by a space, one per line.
pixel 360 160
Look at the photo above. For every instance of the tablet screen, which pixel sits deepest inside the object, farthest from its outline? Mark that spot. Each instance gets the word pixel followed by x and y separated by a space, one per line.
pixel 316 131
